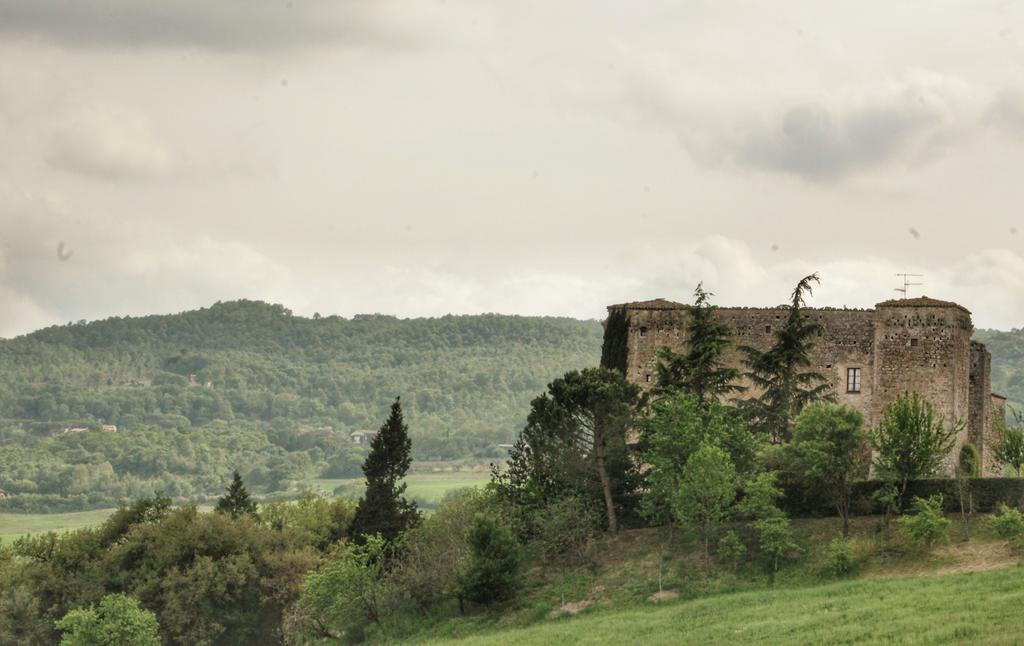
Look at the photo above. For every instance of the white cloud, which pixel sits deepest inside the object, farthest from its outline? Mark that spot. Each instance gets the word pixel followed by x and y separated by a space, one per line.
pixel 110 142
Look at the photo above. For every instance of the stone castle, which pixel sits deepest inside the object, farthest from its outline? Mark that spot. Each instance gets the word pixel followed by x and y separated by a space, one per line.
pixel 869 355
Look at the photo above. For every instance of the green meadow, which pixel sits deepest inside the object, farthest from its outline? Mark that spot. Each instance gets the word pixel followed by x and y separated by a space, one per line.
pixel 426 488
pixel 977 608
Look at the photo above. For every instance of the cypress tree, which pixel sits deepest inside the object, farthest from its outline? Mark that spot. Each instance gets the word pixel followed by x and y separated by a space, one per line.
pixel 781 374
pixel 236 501
pixel 383 509
pixel 699 370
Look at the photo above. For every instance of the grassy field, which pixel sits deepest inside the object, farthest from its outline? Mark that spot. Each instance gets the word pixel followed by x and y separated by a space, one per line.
pixel 977 607
pixel 15 525
pixel 650 585
pixel 427 489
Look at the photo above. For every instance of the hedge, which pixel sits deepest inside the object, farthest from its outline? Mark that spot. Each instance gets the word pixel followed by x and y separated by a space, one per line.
pixel 986 493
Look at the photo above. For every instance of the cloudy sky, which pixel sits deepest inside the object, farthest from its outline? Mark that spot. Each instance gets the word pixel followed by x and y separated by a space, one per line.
pixel 533 157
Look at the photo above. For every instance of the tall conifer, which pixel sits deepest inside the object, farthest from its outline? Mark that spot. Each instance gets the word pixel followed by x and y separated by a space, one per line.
pixel 781 374
pixel 699 370
pixel 236 501
pixel 383 509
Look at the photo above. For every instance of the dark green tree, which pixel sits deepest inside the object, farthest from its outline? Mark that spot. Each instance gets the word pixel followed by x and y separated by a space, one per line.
pixel 383 509
pixel 699 370
pixel 1009 450
pixel 615 348
pixel 910 443
pixel 236 501
pixel 828 452
pixel 492 573
pixel 574 443
pixel 781 374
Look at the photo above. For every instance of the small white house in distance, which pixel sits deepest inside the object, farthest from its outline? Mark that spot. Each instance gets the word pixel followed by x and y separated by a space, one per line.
pixel 362 437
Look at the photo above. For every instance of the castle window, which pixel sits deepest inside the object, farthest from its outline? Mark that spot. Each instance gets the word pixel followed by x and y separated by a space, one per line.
pixel 767 329
pixel 647 378
pixel 853 380
pixel 643 331
pixel 913 343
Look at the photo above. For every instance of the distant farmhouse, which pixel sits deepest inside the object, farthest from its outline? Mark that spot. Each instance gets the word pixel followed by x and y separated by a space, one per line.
pixel 870 356
pixel 81 429
pixel 362 437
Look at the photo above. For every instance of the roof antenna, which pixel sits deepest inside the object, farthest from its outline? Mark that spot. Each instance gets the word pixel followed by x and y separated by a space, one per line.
pixel 907 283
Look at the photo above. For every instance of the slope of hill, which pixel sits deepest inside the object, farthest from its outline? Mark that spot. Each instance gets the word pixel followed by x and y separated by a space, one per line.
pixel 1007 350
pixel 250 385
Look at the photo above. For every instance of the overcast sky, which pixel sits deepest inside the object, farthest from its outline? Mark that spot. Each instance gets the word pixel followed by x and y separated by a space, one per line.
pixel 531 157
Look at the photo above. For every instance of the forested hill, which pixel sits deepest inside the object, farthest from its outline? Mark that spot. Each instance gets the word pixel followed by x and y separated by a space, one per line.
pixel 255 361
pixel 1007 350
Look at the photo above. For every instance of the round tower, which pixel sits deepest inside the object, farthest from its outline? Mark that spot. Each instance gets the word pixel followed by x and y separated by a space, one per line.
pixel 923 345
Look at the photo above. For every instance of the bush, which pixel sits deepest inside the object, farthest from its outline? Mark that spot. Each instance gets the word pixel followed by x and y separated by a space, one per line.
pixel 117 620
pixel 565 531
pixel 1009 524
pixel 928 526
pixel 493 571
pixel 731 549
pixel 970 461
pixel 840 561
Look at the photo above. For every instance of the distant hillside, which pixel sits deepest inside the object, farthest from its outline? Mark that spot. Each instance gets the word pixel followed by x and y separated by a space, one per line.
pixel 255 361
pixel 249 386
pixel 1007 350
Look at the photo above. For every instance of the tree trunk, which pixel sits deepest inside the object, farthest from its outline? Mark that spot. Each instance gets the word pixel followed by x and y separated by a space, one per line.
pixel 606 485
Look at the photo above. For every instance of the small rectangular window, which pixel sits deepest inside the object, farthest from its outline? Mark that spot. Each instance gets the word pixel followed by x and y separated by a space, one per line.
pixel 643 331
pixel 768 329
pixel 853 380
pixel 647 378
pixel 913 343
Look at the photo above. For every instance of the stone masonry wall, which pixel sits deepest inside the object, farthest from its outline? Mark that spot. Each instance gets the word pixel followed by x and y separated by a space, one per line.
pixel 898 348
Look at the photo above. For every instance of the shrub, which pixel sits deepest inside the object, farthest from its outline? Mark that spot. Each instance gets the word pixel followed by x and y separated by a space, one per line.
pixel 493 570
pixel 970 461
pixel 840 560
pixel 775 538
pixel 1009 524
pixel 565 530
pixel 731 549
pixel 928 526
pixel 117 620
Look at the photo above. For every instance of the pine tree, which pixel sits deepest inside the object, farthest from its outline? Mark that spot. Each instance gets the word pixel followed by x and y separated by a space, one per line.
pixel 699 370
pixel 383 509
pixel 236 501
pixel 781 373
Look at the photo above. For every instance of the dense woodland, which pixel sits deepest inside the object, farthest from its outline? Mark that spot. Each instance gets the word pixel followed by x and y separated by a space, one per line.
pixel 249 385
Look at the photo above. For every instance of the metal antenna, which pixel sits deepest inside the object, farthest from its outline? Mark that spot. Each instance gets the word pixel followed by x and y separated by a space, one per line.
pixel 906 283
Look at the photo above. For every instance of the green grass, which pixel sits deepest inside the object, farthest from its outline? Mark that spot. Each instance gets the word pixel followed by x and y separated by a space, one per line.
pixel 979 607
pixel 427 489
pixel 14 525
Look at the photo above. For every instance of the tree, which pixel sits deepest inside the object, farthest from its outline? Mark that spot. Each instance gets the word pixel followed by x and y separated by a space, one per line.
pixel 781 374
pixel 1009 450
pixel 236 501
pixel 706 492
pixel 574 443
pixel 383 509
pixel 828 452
pixel 675 428
pixel 350 590
pixel 117 620
pixel 910 443
pixel 699 370
pixel 492 573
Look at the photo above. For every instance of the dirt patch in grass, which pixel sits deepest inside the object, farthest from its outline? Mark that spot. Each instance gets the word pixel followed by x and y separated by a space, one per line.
pixel 955 558
pixel 571 608
pixel 664 595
